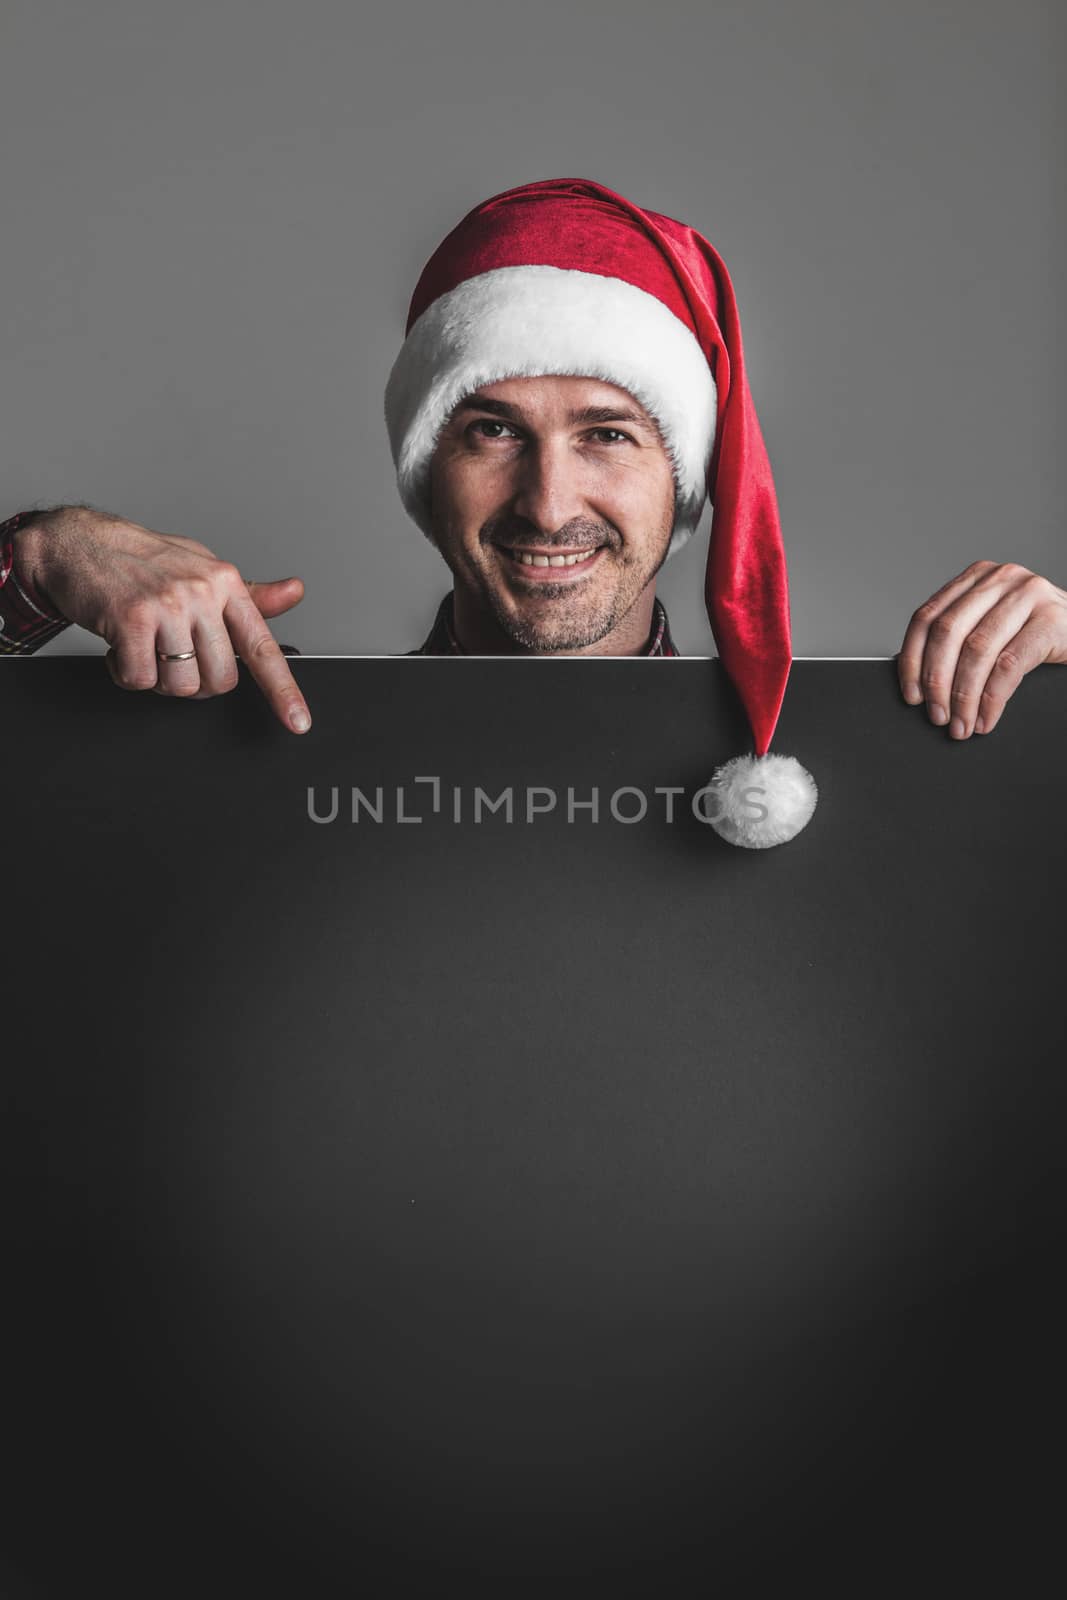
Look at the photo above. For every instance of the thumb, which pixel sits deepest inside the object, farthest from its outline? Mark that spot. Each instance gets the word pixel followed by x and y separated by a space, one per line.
pixel 279 595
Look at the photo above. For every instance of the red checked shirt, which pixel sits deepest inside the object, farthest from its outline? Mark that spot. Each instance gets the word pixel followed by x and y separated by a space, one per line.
pixel 27 621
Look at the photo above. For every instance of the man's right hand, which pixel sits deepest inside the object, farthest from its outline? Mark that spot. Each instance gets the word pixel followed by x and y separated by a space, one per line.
pixel 148 592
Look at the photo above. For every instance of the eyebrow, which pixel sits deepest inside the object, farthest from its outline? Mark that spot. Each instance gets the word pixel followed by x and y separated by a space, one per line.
pixel 500 408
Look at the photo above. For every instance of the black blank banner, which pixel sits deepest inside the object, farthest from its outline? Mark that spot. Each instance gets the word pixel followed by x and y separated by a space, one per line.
pixel 546 1201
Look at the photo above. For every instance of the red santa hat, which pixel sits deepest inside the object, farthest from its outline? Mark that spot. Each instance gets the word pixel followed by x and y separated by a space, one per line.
pixel 566 277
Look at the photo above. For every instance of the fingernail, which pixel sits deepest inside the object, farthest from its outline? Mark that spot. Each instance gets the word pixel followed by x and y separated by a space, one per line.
pixel 979 726
pixel 299 720
pixel 938 714
pixel 912 693
pixel 957 729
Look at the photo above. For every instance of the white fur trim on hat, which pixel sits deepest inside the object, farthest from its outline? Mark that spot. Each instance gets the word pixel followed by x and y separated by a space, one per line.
pixel 535 321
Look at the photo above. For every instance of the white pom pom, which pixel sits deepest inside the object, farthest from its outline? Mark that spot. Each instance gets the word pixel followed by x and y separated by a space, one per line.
pixel 758 801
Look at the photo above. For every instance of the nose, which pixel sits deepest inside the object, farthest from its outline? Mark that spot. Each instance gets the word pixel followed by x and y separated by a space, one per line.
pixel 550 490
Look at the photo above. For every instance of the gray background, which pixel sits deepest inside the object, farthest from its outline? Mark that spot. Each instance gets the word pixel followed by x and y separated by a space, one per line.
pixel 214 215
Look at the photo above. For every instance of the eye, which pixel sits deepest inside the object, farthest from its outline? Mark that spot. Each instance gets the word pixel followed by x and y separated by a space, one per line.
pixel 489 422
pixel 616 433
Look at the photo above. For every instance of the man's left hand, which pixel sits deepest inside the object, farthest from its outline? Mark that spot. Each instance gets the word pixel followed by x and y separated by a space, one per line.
pixel 970 645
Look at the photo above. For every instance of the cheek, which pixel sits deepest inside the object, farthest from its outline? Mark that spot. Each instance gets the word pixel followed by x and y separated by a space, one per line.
pixel 463 489
pixel 644 504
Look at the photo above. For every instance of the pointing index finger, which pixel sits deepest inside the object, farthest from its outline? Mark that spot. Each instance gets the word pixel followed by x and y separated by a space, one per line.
pixel 266 661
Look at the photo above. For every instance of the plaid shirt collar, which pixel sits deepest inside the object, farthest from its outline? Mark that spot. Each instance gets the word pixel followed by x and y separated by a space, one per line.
pixel 442 640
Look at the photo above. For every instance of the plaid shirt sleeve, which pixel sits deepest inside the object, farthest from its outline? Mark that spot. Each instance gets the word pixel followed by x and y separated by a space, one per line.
pixel 27 621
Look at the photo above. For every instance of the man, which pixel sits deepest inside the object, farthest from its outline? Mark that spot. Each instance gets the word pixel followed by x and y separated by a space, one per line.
pixel 553 495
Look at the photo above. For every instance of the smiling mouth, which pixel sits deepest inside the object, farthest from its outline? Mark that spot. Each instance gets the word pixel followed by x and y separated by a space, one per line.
pixel 540 564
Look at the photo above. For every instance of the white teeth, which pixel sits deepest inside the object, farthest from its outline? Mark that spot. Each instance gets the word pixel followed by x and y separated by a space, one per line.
pixel 529 560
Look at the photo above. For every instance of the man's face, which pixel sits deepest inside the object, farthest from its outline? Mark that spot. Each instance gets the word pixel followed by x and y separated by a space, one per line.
pixel 552 468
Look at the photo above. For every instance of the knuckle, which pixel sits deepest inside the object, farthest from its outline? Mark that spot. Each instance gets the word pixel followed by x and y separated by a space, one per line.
pixel 132 673
pixel 264 646
pixel 1008 661
pixel 927 611
pixel 942 629
pixel 225 678
pixel 222 683
pixel 1012 570
pixel 199 587
pixel 226 574
pixel 977 644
